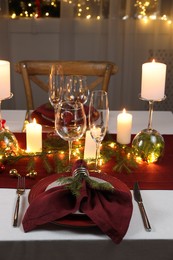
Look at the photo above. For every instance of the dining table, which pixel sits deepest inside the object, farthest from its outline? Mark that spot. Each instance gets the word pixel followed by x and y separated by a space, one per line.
pixel 63 242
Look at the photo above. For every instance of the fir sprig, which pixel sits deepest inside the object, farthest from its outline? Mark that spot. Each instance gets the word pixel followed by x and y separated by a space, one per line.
pixel 31 164
pixel 122 156
pixel 48 167
pixel 74 184
pixel 125 159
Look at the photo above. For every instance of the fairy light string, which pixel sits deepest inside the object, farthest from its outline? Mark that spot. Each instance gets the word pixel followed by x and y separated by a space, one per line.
pixel 54 156
pixel 89 9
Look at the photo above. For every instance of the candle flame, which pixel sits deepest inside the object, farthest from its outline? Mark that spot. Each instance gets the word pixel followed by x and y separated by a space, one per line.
pixel 153 60
pixel 124 110
pixel 34 121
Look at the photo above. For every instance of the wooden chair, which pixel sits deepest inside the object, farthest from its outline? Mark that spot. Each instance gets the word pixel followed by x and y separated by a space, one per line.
pixel 33 71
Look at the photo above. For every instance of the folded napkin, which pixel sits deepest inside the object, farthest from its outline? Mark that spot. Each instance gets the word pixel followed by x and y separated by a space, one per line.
pixel 110 209
pixel 44 114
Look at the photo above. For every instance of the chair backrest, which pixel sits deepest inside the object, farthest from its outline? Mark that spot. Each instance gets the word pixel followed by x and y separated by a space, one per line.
pixel 33 71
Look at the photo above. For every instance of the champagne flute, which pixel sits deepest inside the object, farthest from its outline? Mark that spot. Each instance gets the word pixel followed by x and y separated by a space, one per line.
pixel 70 122
pixel 56 87
pixel 98 126
pixel 76 88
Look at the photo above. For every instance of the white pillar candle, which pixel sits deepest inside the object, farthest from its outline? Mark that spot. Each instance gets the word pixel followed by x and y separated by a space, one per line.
pixel 34 137
pixel 90 147
pixel 4 79
pixel 124 126
pixel 153 80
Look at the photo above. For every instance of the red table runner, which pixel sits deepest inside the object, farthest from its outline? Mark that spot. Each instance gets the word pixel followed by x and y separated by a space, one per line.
pixel 150 176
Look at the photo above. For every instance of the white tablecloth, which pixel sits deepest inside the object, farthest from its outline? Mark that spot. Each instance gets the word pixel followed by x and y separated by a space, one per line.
pixel 64 243
pixel 162 120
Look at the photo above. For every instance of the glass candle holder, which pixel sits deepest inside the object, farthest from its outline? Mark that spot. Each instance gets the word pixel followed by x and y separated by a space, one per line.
pixel 8 144
pixel 149 144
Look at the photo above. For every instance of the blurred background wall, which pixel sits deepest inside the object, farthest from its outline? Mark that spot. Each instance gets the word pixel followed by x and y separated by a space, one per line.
pixel 120 31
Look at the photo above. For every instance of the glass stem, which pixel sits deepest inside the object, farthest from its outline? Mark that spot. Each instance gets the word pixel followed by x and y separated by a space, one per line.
pixel 70 151
pixel 97 155
pixel 151 105
pixel 55 112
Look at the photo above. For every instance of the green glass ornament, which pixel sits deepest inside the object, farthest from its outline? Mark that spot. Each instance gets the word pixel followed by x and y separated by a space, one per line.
pixel 148 145
pixel 8 143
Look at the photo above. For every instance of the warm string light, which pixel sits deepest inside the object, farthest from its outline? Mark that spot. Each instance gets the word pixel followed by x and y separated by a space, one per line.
pixel 87 9
pixel 148 11
pixel 36 9
pixel 47 8
pixel 112 145
pixel 143 8
pixel 138 159
pixel 164 18
pixel 110 152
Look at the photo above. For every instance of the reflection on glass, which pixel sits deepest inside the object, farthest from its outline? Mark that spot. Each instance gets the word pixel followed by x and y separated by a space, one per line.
pixel 98 125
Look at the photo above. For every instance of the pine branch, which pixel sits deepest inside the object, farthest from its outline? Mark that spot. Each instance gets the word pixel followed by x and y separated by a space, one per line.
pixel 48 167
pixel 123 156
pixel 74 184
pixel 31 164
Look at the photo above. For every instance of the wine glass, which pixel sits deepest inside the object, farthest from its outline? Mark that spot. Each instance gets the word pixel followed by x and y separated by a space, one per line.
pixel 56 87
pixel 76 88
pixel 70 122
pixel 98 119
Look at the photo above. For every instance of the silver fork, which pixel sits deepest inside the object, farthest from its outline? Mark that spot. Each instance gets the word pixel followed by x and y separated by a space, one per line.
pixel 20 191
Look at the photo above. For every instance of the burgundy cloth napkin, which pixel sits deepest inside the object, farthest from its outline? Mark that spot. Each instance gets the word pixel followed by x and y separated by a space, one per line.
pixel 110 211
pixel 44 114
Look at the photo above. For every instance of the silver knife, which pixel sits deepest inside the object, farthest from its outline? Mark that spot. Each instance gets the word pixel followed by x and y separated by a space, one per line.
pixel 138 198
